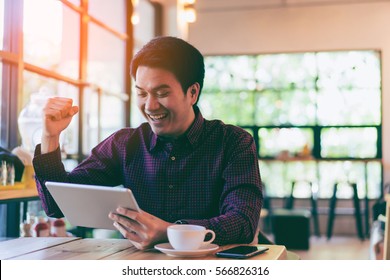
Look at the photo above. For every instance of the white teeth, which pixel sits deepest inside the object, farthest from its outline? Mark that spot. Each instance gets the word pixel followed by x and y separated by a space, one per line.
pixel 157 117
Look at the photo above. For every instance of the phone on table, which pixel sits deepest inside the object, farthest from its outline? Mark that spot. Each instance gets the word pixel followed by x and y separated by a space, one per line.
pixel 242 252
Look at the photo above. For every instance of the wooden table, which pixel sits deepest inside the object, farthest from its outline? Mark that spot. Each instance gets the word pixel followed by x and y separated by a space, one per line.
pixel 18 194
pixel 386 254
pixel 73 248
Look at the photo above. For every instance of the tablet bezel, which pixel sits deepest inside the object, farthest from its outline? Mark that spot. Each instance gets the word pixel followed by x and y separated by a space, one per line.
pixel 89 205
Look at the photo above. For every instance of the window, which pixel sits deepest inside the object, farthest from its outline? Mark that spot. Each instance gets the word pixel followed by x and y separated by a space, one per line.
pixel 63 56
pixel 149 13
pixel 314 116
pixel 76 49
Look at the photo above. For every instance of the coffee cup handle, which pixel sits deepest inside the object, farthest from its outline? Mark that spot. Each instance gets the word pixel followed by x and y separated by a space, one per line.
pixel 212 237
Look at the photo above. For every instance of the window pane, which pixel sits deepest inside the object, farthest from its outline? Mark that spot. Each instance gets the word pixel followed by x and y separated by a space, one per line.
pixel 51 36
pixel 275 185
pixel 91 120
pixel 286 71
pixel 349 88
pixel 349 107
pixel 106 69
pixel 112 13
pixel 144 30
pixel 288 172
pixel 34 83
pixel 1 23
pixel 349 142
pixel 106 61
pixel 284 142
pixel 346 70
pixel 347 171
pixel 296 107
pixel 110 119
pixel 228 107
pixel 227 73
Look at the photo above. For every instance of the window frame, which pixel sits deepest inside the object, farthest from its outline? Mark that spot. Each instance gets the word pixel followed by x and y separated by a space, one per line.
pixel 14 67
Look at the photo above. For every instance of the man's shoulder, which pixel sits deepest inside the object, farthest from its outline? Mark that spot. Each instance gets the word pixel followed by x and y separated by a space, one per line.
pixel 227 130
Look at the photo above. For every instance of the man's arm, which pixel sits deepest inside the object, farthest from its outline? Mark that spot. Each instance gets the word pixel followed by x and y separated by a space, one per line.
pixel 102 167
pixel 57 115
pixel 241 199
pixel 48 167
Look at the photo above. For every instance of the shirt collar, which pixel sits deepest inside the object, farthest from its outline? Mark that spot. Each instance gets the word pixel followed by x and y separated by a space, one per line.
pixel 191 136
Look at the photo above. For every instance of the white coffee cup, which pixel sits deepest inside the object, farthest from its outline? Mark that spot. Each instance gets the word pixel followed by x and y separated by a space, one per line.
pixel 188 237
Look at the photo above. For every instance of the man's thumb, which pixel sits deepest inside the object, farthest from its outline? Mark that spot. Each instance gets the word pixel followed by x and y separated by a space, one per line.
pixel 74 110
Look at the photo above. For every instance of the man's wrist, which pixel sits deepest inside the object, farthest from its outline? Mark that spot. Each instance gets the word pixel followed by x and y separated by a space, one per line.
pixel 49 144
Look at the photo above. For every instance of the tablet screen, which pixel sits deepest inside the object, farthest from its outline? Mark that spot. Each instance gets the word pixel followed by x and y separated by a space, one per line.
pixel 89 205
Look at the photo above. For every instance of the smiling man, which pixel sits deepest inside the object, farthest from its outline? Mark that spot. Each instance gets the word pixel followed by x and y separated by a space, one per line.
pixel 163 102
pixel 181 167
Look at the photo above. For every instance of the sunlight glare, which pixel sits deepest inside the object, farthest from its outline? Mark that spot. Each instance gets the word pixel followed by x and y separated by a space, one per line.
pixel 43 20
pixel 1 23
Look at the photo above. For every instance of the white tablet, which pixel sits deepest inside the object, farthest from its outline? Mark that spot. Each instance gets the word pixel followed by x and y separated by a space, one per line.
pixel 89 205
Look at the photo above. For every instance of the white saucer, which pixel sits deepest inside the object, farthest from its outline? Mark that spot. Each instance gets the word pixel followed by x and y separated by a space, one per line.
pixel 166 248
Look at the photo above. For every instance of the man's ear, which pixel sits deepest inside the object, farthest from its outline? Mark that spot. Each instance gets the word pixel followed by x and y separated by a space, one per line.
pixel 194 91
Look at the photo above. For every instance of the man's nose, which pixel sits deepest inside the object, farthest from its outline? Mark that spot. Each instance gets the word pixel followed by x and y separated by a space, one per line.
pixel 151 103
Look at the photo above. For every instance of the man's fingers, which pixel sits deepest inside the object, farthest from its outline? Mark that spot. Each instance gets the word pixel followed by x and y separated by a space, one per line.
pixel 141 217
pixel 148 228
pixel 127 222
pixel 74 110
pixel 58 108
pixel 128 234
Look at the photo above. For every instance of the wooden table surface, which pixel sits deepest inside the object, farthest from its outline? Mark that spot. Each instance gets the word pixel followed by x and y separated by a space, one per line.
pixel 18 194
pixel 73 248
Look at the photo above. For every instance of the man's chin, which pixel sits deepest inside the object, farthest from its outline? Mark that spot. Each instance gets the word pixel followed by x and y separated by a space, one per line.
pixel 159 131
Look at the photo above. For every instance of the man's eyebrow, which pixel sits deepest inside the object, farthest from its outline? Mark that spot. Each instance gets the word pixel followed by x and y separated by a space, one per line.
pixel 157 88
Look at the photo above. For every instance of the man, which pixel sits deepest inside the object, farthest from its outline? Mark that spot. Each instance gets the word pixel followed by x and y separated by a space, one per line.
pixel 180 167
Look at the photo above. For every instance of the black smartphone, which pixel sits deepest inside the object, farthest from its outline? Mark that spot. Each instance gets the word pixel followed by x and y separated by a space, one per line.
pixel 242 252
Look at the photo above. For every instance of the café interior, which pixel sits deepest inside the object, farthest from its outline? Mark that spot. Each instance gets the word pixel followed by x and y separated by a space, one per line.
pixel 308 79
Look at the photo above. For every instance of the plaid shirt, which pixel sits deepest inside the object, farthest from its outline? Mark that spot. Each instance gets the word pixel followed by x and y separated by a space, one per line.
pixel 209 176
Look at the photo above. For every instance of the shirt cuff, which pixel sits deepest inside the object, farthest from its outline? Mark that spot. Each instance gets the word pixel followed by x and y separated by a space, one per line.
pixel 44 163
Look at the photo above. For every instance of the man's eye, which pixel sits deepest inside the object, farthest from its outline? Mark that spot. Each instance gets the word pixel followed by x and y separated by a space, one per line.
pixel 162 94
pixel 141 94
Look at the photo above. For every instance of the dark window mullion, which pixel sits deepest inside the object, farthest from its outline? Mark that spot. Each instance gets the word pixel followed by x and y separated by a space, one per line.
pixel 379 142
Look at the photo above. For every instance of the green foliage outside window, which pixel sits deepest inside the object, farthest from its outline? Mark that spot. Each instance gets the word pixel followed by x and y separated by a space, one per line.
pixel 328 103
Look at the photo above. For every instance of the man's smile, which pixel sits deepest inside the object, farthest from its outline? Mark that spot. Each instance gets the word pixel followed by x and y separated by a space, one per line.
pixel 157 117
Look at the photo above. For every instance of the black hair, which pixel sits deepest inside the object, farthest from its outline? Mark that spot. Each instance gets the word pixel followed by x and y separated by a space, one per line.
pixel 174 55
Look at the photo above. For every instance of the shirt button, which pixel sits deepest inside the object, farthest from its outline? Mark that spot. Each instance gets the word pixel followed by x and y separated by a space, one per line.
pixel 173 158
pixel 170 187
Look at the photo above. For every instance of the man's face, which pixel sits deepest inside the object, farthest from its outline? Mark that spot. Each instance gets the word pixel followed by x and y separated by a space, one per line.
pixel 162 101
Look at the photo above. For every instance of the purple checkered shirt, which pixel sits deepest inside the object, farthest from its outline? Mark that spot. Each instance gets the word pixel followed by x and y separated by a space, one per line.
pixel 209 176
